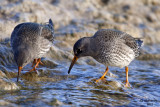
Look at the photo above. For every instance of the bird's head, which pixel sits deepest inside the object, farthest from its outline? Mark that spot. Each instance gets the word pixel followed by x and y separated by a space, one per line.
pixel 81 48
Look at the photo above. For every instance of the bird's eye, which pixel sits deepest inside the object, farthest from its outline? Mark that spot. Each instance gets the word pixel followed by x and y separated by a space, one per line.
pixel 79 51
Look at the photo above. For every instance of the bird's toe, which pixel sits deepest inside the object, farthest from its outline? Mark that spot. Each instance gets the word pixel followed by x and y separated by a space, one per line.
pixel 100 79
pixel 127 85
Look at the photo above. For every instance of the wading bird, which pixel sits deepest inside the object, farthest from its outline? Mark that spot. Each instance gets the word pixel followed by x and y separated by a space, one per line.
pixel 31 41
pixel 109 47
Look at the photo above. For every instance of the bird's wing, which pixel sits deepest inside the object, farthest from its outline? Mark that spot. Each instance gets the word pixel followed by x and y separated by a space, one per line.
pixel 47 31
pixel 110 36
pixel 24 33
pixel 107 35
pixel 133 43
pixel 14 33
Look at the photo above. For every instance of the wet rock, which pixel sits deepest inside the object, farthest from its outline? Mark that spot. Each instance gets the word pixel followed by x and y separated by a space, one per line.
pixel 2 74
pixel 55 102
pixel 6 84
pixel 45 76
pixel 108 85
pixel 115 84
pixel 6 103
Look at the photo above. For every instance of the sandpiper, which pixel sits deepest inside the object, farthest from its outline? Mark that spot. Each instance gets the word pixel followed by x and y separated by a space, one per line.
pixel 31 41
pixel 110 47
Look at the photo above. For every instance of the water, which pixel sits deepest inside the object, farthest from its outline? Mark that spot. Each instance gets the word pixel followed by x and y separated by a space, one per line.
pixel 54 87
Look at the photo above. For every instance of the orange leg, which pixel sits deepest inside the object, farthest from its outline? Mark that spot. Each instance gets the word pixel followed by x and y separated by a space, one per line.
pixel 37 63
pixel 34 62
pixel 19 71
pixel 127 82
pixel 103 75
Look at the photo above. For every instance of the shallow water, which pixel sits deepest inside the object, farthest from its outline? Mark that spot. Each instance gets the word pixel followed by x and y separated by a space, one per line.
pixel 54 87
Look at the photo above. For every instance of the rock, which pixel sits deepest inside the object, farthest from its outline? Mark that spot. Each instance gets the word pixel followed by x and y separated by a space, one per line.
pixel 151 18
pixel 55 102
pixel 6 103
pixel 2 74
pixel 6 84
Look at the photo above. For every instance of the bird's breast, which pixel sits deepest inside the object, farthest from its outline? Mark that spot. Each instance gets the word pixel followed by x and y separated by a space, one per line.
pixel 43 46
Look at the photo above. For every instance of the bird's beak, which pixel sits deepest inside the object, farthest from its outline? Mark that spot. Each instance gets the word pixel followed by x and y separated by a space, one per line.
pixel 73 62
pixel 19 71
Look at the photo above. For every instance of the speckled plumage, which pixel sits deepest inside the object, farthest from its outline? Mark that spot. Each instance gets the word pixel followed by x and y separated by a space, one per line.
pixel 109 47
pixel 31 41
pixel 115 48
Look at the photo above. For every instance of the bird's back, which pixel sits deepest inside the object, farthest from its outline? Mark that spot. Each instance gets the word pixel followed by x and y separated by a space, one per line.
pixel 37 37
pixel 116 48
pixel 24 33
pixel 111 36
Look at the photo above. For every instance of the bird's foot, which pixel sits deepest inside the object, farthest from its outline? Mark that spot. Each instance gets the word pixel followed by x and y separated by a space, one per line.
pixel 33 69
pixel 34 62
pixel 100 79
pixel 127 85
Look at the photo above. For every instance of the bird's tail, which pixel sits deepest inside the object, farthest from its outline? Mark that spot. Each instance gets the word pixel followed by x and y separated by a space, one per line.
pixel 139 42
pixel 50 22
